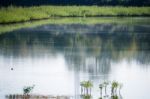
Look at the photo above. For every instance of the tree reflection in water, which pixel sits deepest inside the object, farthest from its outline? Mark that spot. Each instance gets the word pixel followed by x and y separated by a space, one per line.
pixel 86 48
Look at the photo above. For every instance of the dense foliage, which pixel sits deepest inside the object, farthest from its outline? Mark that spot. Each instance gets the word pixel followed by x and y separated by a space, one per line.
pixel 75 2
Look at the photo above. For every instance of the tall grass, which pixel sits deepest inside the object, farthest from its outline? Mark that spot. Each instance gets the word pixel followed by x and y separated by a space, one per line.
pixel 19 14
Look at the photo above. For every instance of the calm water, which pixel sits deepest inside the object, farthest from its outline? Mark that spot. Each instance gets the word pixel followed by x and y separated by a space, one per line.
pixel 56 58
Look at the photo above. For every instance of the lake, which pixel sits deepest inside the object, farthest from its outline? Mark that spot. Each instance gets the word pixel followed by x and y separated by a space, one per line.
pixel 57 57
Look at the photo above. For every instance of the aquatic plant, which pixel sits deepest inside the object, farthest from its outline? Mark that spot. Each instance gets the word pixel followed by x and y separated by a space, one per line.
pixel 101 89
pixel 106 83
pixel 114 87
pixel 28 89
pixel 86 87
pixel 82 87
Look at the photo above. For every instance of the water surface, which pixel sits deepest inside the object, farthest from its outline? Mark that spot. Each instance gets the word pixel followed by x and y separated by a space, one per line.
pixel 56 58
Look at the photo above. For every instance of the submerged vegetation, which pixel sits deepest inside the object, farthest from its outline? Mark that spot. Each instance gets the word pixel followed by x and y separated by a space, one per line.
pixel 13 14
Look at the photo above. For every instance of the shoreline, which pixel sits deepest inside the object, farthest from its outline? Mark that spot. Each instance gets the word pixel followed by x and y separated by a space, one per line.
pixel 84 21
pixel 12 14
pixel 49 18
pixel 24 96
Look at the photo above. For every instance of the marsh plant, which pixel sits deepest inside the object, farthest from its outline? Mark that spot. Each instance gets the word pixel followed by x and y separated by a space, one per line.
pixel 86 87
pixel 114 86
pixel 105 84
pixel 28 89
pixel 82 87
pixel 101 89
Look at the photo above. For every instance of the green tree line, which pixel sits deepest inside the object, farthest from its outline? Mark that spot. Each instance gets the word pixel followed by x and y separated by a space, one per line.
pixel 75 2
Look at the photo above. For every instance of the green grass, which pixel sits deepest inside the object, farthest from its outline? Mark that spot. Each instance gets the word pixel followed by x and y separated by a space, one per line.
pixel 20 14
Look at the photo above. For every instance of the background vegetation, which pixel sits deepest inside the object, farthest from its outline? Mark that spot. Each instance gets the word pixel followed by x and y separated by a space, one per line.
pixel 13 14
pixel 75 2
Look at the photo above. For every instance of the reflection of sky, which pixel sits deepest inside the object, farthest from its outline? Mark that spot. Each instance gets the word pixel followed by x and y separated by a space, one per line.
pixel 48 74
pixel 136 80
pixel 51 76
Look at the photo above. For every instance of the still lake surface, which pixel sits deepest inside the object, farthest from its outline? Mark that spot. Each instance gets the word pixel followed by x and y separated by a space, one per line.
pixel 56 58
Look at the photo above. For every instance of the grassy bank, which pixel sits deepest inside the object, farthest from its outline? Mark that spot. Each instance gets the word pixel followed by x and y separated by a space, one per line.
pixel 20 14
